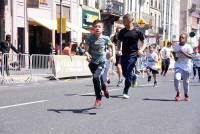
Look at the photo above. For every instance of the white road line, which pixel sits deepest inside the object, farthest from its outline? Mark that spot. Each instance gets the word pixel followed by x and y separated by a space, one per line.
pixel 22 104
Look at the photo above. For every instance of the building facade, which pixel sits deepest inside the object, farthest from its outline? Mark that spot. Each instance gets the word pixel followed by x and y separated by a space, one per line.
pixel 111 11
pixel 195 13
pixel 155 15
pixel 175 23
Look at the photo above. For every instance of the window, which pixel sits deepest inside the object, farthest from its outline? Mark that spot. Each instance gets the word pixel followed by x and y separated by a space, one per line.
pixel 159 6
pixel 85 2
pixel 97 4
pixel 131 5
pixel 156 4
pixel 151 3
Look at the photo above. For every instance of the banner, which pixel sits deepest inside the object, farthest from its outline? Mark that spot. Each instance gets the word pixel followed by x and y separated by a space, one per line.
pixel 63 25
pixel 71 66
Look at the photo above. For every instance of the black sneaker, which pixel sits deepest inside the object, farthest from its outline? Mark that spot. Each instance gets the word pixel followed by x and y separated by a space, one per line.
pixel 149 78
pixel 155 84
pixel 108 81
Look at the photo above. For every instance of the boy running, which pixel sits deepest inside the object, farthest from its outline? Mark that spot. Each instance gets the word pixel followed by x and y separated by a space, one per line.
pixel 96 55
pixel 183 66
pixel 152 67
pixel 196 63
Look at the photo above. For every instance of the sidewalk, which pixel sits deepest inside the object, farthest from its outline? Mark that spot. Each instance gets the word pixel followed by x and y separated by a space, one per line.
pixel 22 79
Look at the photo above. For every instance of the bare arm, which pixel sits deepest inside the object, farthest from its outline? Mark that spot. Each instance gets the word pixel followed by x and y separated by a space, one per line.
pixel 186 54
pixel 141 50
pixel 112 46
pixel 89 57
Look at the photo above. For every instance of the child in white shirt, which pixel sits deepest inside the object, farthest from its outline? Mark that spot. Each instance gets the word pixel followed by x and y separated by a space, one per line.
pixel 183 66
pixel 152 64
pixel 196 62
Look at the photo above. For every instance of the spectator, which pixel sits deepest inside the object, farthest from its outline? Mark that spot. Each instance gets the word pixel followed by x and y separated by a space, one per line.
pixel 81 49
pixel 67 49
pixel 74 48
pixel 5 48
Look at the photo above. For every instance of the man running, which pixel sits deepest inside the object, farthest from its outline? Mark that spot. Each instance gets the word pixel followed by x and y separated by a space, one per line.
pixel 129 36
pixel 183 66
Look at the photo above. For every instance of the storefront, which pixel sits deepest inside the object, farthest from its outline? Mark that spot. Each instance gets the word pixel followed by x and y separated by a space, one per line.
pixel 41 28
pixel 88 17
pixel 66 35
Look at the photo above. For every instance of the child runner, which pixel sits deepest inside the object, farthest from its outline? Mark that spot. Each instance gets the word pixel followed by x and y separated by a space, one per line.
pixel 96 55
pixel 152 67
pixel 196 62
pixel 183 66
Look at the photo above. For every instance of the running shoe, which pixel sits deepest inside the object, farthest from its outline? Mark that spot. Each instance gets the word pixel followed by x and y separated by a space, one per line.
pixel 108 81
pixel 155 84
pixel 134 84
pixel 149 78
pixel 97 103
pixel 125 96
pixel 178 97
pixel 106 93
pixel 187 98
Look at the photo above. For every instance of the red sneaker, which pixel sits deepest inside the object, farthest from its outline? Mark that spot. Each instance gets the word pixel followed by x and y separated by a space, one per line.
pixel 106 93
pixel 187 98
pixel 97 103
pixel 177 98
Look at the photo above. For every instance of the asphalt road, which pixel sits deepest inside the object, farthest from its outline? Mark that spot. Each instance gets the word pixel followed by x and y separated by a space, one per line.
pixel 66 107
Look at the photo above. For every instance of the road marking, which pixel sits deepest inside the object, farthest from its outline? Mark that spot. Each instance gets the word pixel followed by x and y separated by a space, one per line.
pixel 22 104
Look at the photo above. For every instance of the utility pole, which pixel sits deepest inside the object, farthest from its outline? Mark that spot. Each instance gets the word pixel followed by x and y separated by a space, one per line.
pixel 61 27
pixel 26 28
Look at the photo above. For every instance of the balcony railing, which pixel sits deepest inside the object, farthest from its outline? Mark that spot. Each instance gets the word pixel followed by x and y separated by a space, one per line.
pixel 114 7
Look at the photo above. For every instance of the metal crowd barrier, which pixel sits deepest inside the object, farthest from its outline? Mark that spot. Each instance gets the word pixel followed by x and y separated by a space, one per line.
pixel 15 66
pixel 1 76
pixel 42 65
pixel 22 67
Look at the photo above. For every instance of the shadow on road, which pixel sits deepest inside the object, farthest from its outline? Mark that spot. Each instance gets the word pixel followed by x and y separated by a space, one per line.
pixel 148 99
pixel 116 96
pixel 70 94
pixel 111 96
pixel 76 111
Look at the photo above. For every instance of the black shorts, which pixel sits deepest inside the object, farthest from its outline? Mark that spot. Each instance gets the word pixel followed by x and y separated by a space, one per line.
pixel 118 60
pixel 153 71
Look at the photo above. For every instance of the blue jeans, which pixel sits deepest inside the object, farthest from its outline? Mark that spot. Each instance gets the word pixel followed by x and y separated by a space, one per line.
pixel 128 63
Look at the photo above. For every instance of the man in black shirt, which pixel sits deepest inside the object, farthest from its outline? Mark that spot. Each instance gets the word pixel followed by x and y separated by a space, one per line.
pixel 129 36
pixel 5 48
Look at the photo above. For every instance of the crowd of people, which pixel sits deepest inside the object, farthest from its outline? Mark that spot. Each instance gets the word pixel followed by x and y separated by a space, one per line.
pixel 123 51
pixel 100 53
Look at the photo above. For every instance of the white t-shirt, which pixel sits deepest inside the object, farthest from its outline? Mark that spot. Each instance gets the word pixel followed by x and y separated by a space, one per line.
pixel 183 62
pixel 151 60
pixel 196 59
pixel 165 52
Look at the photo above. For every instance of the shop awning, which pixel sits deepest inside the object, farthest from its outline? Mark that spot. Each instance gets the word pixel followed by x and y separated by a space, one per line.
pixel 72 27
pixel 49 24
